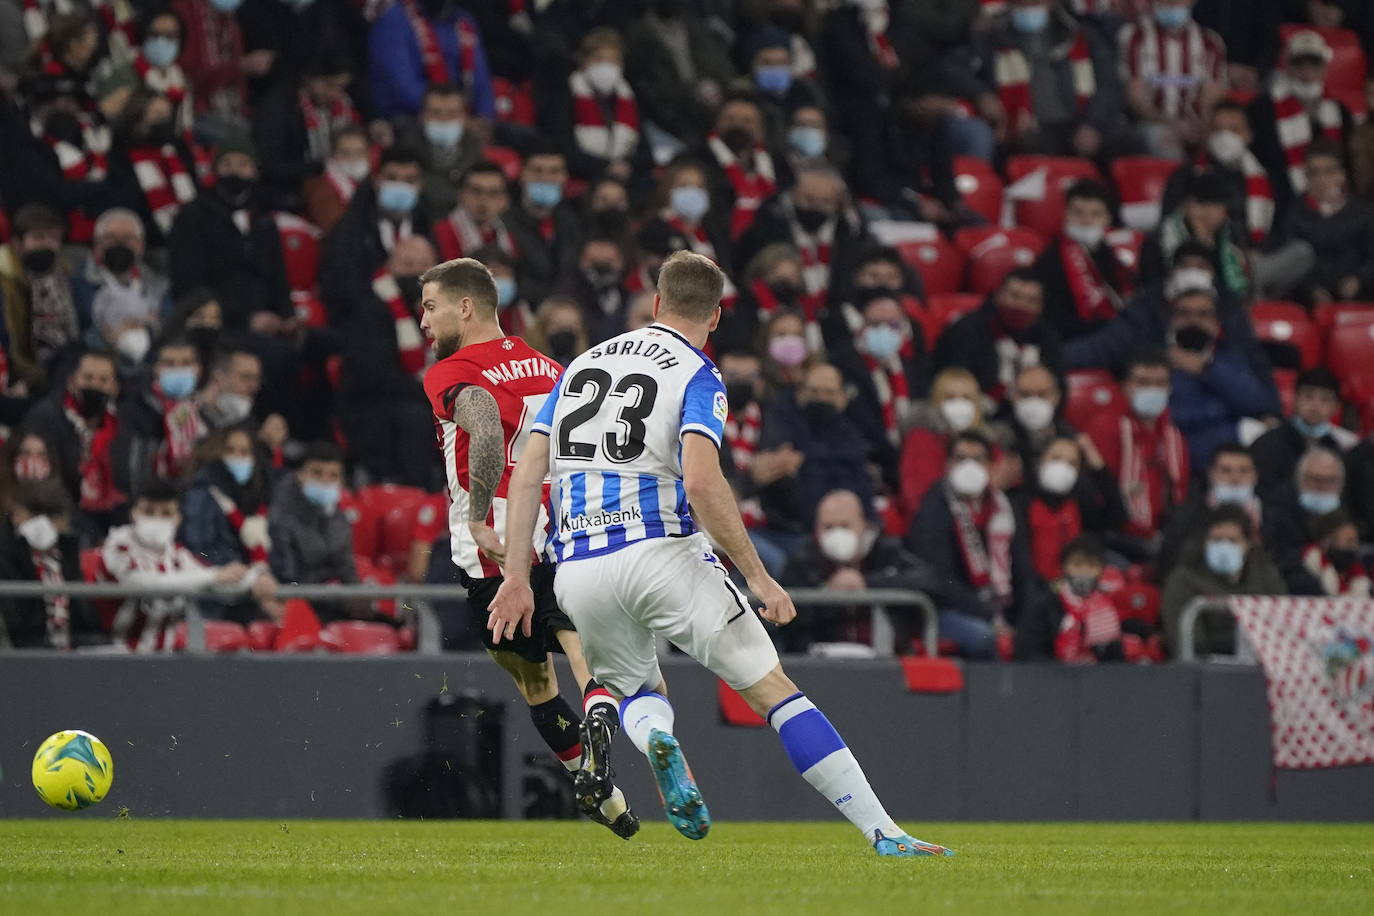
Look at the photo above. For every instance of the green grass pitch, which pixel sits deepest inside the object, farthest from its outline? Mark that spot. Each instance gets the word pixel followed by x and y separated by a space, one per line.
pixel 345 867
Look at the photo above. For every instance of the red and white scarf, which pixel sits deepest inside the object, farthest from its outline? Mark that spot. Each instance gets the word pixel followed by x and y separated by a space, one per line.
pixel 894 394
pixel 251 529
pixel 87 162
pixel 341 184
pixel 1169 456
pixel 1294 125
pixel 768 303
pixel 164 180
pixel 876 20
pixel 1012 73
pixel 169 82
pixel 1095 297
pixel 48 565
pixel 322 123
pixel 816 251
pixel 98 490
pixel 595 136
pixel 182 429
pixel 117 18
pixel 984 539
pixel 698 242
pixel 458 236
pixel 410 343
pixel 432 55
pixel 1354 582
pixel 751 187
pixel 742 435
pixel 1088 621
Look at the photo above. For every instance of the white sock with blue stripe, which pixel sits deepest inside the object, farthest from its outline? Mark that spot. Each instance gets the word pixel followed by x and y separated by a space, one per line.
pixel 644 712
pixel 821 756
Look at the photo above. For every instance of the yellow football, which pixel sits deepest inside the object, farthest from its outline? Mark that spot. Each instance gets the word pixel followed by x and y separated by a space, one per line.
pixel 72 770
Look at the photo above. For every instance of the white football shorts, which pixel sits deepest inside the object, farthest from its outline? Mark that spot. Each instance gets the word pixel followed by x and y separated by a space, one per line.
pixel 673 587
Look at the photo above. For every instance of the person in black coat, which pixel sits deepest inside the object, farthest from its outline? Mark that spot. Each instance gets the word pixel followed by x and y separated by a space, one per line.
pixel 1005 334
pixel 1085 281
pixel 37 545
pixel 1316 410
pixel 1339 227
pixel 546 228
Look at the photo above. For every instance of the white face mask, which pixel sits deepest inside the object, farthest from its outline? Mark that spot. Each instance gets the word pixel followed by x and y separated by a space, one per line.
pixel 1058 477
pixel 234 407
pixel 1307 92
pixel 603 76
pixel 959 413
pixel 39 531
pixel 356 169
pixel 969 478
pixel 1188 279
pixel 156 533
pixel 1034 414
pixel 134 344
pixel 839 545
pixel 1226 146
pixel 1087 235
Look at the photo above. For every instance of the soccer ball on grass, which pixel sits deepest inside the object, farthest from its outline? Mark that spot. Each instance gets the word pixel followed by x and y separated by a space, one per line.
pixel 72 770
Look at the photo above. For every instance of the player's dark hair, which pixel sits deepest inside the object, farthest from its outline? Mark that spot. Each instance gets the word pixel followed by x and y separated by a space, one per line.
pixel 160 490
pixel 464 277
pixel 320 450
pixel 690 285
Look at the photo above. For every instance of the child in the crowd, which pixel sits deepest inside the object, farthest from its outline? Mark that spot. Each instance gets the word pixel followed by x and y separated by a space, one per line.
pixel 1077 622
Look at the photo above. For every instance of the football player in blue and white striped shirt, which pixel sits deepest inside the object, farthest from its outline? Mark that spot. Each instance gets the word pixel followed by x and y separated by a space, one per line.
pixel 631 436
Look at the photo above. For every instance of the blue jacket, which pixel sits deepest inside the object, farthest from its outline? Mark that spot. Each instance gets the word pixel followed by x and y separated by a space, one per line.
pixel 398 72
pixel 1206 407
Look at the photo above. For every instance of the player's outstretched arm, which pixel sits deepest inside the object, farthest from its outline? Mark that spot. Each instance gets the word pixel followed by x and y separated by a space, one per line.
pixel 713 506
pixel 476 411
pixel 514 601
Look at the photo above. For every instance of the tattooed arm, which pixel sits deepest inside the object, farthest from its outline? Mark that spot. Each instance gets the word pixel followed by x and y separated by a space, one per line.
pixel 475 411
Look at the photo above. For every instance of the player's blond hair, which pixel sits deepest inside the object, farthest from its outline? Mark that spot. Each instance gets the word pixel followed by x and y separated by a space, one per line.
pixel 690 285
pixel 465 277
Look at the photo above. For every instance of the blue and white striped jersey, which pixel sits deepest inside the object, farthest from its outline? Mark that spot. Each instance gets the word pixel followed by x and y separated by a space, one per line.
pixel 616 420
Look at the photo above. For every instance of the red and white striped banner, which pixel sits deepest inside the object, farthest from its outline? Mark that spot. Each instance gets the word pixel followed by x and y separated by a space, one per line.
pixel 1318 658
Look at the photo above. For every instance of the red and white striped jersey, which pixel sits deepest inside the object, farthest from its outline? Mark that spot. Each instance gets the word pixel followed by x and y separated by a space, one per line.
pixel 1174 64
pixel 520 379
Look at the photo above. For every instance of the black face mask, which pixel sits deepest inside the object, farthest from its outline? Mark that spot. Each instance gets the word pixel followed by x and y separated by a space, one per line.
pixel 235 190
pixel 63 125
pixel 202 338
pixel 1082 586
pixel 91 402
pixel 785 290
pixel 410 289
pixel 611 223
pixel 39 260
pixel 820 413
pixel 739 395
pixel 118 258
pixel 161 133
pixel 1193 338
pixel 738 139
pixel 810 220
pixel 562 344
pixel 1342 558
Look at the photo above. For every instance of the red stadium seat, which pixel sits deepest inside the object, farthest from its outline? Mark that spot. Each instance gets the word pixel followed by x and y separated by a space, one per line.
pixel 993 253
pixel 733 709
pixel 514 101
pixel 1140 182
pixel 300 628
pixel 946 309
pixel 1329 315
pixel 394 508
pixel 1350 355
pixel 1288 334
pixel 923 674
pixel 373 573
pixel 1345 74
pixel 367 525
pixel 980 186
pixel 508 159
pixel 360 637
pixel 940 264
pixel 220 636
pixel 1045 213
pixel 1286 381
pixel 1091 391
pixel 1137 601
pixel 262 635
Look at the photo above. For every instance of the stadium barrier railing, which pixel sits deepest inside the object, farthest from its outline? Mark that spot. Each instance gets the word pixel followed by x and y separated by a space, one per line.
pixel 1187 636
pixel 419 597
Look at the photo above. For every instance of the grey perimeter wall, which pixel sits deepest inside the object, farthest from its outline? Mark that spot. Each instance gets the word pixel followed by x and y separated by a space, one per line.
pixel 310 737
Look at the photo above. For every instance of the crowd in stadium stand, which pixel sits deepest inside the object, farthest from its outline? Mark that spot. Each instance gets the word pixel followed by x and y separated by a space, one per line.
pixel 1059 311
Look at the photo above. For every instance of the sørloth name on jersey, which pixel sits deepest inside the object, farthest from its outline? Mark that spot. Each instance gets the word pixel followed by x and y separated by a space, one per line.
pixel 659 353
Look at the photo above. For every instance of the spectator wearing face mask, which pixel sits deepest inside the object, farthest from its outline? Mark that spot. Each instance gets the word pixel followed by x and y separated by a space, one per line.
pixel 1299 510
pixel 476 220
pixel 558 330
pixel 26 458
pixel 1213 386
pixel 786 350
pixel 1231 481
pixel 1085 281
pixel 1316 411
pixel 224 513
pixel 215 63
pixel 1029 420
pixel 847 553
pixel 1145 452
pixel 448 142
pixel 742 172
pixel 955 405
pixel 1333 557
pixel 772 282
pixel 92 448
pixel 879 269
pixel 1340 229
pixel 235 379
pixel 326 195
pixel 312 541
pixel 37 545
pixel 1001 337
pixel 772 78
pixel 887 366
pixel 514 313
pixel 153 67
pixel 1224 562
pixel 606 211
pixel 1067 491
pixel 146 552
pixel 164 416
pixel 599 288
pixel 545 226
pixel 1075 621
pixel 810 140
pixel 420 43
pixel 1295 112
pixel 679 67
pixel 123 299
pixel 815 422
pixel 157 169
pixel 684 216
pixel 382 408
pixel 36 293
pixel 867 47
pixel 1203 218
pixel 967 531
